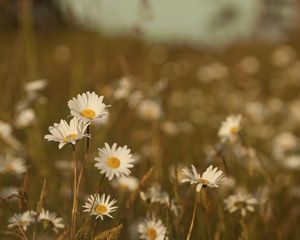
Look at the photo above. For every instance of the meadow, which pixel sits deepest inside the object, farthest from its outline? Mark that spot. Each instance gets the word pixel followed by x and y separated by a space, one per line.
pixel 237 110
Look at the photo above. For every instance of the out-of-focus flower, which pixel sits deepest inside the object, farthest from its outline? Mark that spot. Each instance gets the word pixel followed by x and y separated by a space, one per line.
pixel 292 162
pixel 123 89
pixel 212 71
pixel 230 127
pixel 65 133
pixel 149 110
pixel 154 194
pixel 35 86
pixel 25 118
pixel 24 219
pixel 101 206
pixel 51 220
pixel 6 133
pixel 152 229
pixel 283 56
pixel 283 143
pixel 114 161
pixel 240 202
pixel 87 106
pixel 12 165
pixel 249 65
pixel 212 177
pixel 127 183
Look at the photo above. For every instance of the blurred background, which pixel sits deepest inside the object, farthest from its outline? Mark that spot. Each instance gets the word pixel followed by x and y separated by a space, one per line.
pixel 196 61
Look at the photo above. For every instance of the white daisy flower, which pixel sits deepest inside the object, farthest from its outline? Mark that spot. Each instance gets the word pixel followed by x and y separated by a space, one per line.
pixel 123 89
pixel 152 229
pixel 25 118
pixel 87 106
pixel 100 207
pixel 212 177
pixel 154 194
pixel 24 219
pixel 12 165
pixel 127 183
pixel 240 202
pixel 114 161
pixel 67 133
pixel 292 162
pixel 230 127
pixel 149 110
pixel 35 86
pixel 51 220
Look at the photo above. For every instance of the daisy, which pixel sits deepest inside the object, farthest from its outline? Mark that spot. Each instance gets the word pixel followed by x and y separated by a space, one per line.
pixel 127 183
pixel 154 194
pixel 149 110
pixel 51 220
pixel 230 127
pixel 67 133
pixel 25 118
pixel 292 162
pixel 114 161
pixel 123 89
pixel 100 207
pixel 240 202
pixel 12 165
pixel 152 229
pixel 87 106
pixel 210 178
pixel 35 86
pixel 24 219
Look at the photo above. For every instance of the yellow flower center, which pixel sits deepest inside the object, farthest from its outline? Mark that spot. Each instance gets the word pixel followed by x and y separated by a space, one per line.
pixel 203 181
pixel 234 130
pixel 70 137
pixel 113 162
pixel 151 233
pixel 88 113
pixel 100 209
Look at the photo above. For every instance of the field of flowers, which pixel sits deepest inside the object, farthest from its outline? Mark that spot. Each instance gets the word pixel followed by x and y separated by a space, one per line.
pixel 114 138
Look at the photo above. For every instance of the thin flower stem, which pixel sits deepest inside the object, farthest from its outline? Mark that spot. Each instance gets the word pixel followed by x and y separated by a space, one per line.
pixel 84 161
pixel 82 169
pixel 193 218
pixel 74 209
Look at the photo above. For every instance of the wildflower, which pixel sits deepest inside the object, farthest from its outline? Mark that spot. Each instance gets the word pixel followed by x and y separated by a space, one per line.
pixel 154 194
pixel 284 143
pixel 67 133
pixel 240 202
pixel 292 162
pixel 51 220
pixel 210 178
pixel 128 183
pixel 24 219
pixel 123 89
pixel 152 229
pixel 149 110
pixel 35 86
pixel 100 207
pixel 25 118
pixel 87 107
pixel 230 127
pixel 12 165
pixel 114 161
